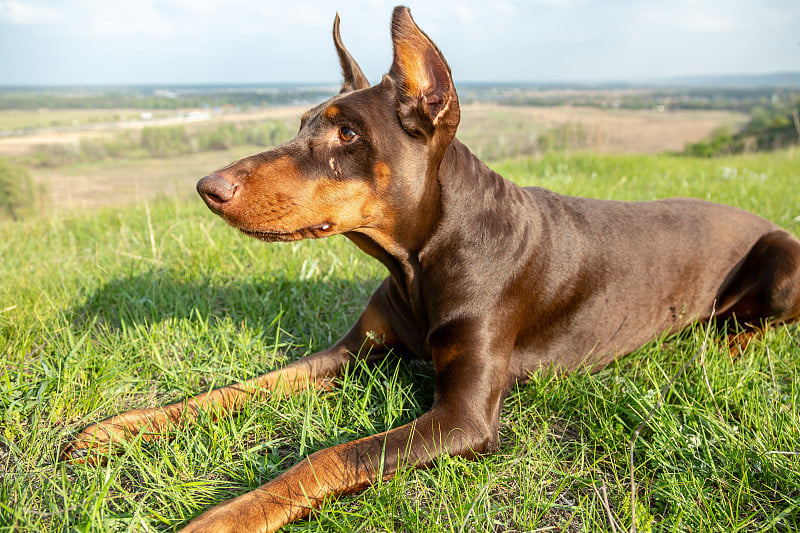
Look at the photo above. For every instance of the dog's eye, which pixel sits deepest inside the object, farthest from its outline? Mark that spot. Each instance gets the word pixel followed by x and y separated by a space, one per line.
pixel 346 134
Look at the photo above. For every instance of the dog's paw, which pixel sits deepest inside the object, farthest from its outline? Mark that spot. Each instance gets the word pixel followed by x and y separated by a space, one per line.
pixel 248 513
pixel 218 519
pixel 90 446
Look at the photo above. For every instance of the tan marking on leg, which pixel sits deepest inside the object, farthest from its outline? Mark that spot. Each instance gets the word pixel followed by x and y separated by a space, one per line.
pixel 149 424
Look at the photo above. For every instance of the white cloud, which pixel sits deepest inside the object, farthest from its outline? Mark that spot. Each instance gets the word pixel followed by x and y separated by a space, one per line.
pixel 465 13
pixel 505 7
pixel 26 13
pixel 698 17
pixel 128 21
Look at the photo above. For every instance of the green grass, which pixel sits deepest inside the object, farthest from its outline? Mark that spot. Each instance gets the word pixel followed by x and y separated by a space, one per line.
pixel 102 312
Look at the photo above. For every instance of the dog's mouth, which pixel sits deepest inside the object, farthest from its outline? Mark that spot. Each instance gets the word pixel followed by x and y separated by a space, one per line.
pixel 315 231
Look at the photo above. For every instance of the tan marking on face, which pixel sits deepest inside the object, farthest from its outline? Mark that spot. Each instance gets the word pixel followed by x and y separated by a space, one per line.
pixel 331 112
pixel 276 197
pixel 383 176
pixel 337 171
pixel 268 192
pixel 348 204
pixel 280 169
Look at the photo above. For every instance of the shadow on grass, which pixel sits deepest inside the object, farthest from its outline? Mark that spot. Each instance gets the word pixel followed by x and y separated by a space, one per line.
pixel 171 295
pixel 314 312
pixel 164 296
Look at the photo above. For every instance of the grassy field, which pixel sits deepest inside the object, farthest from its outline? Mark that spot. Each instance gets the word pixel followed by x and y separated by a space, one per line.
pixel 494 132
pixel 118 182
pixel 13 120
pixel 108 310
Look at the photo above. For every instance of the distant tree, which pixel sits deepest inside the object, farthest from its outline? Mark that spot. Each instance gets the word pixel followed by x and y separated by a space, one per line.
pixel 768 129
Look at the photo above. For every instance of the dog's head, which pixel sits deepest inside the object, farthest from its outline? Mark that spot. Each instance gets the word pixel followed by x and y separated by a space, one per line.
pixel 364 162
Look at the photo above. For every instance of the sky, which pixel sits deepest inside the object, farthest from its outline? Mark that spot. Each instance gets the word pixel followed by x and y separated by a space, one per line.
pixel 109 42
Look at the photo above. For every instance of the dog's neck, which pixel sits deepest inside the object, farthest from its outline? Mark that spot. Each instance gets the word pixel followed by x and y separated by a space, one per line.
pixel 462 187
pixel 398 247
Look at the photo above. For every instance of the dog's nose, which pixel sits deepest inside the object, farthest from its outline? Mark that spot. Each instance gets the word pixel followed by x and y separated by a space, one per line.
pixel 215 190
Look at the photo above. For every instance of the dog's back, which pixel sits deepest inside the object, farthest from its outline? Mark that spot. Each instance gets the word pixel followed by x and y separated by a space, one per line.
pixel 634 270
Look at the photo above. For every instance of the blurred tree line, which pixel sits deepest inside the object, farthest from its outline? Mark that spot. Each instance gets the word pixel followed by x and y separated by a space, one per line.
pixel 146 98
pixel 768 129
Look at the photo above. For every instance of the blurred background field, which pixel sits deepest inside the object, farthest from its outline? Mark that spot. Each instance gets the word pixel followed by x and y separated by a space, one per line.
pixel 79 156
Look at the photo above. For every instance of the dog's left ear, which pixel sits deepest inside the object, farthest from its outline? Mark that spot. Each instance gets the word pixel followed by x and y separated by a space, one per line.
pixel 353 77
pixel 427 97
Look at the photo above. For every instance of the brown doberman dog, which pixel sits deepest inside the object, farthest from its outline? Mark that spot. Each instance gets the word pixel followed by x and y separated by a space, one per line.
pixel 487 280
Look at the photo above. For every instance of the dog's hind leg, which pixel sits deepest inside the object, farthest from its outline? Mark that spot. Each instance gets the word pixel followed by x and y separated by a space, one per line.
pixel 765 287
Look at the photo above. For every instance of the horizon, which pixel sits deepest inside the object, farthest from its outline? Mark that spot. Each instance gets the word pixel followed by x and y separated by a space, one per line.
pixel 733 80
pixel 214 42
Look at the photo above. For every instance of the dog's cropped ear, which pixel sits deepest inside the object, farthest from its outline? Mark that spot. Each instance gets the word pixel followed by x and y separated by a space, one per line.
pixel 353 77
pixel 427 97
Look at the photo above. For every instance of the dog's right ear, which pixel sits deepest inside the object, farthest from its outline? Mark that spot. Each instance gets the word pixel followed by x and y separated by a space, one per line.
pixel 353 77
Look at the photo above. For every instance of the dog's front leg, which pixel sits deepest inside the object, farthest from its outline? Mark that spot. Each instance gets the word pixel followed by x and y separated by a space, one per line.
pixel 93 441
pixel 463 421
pixel 367 339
